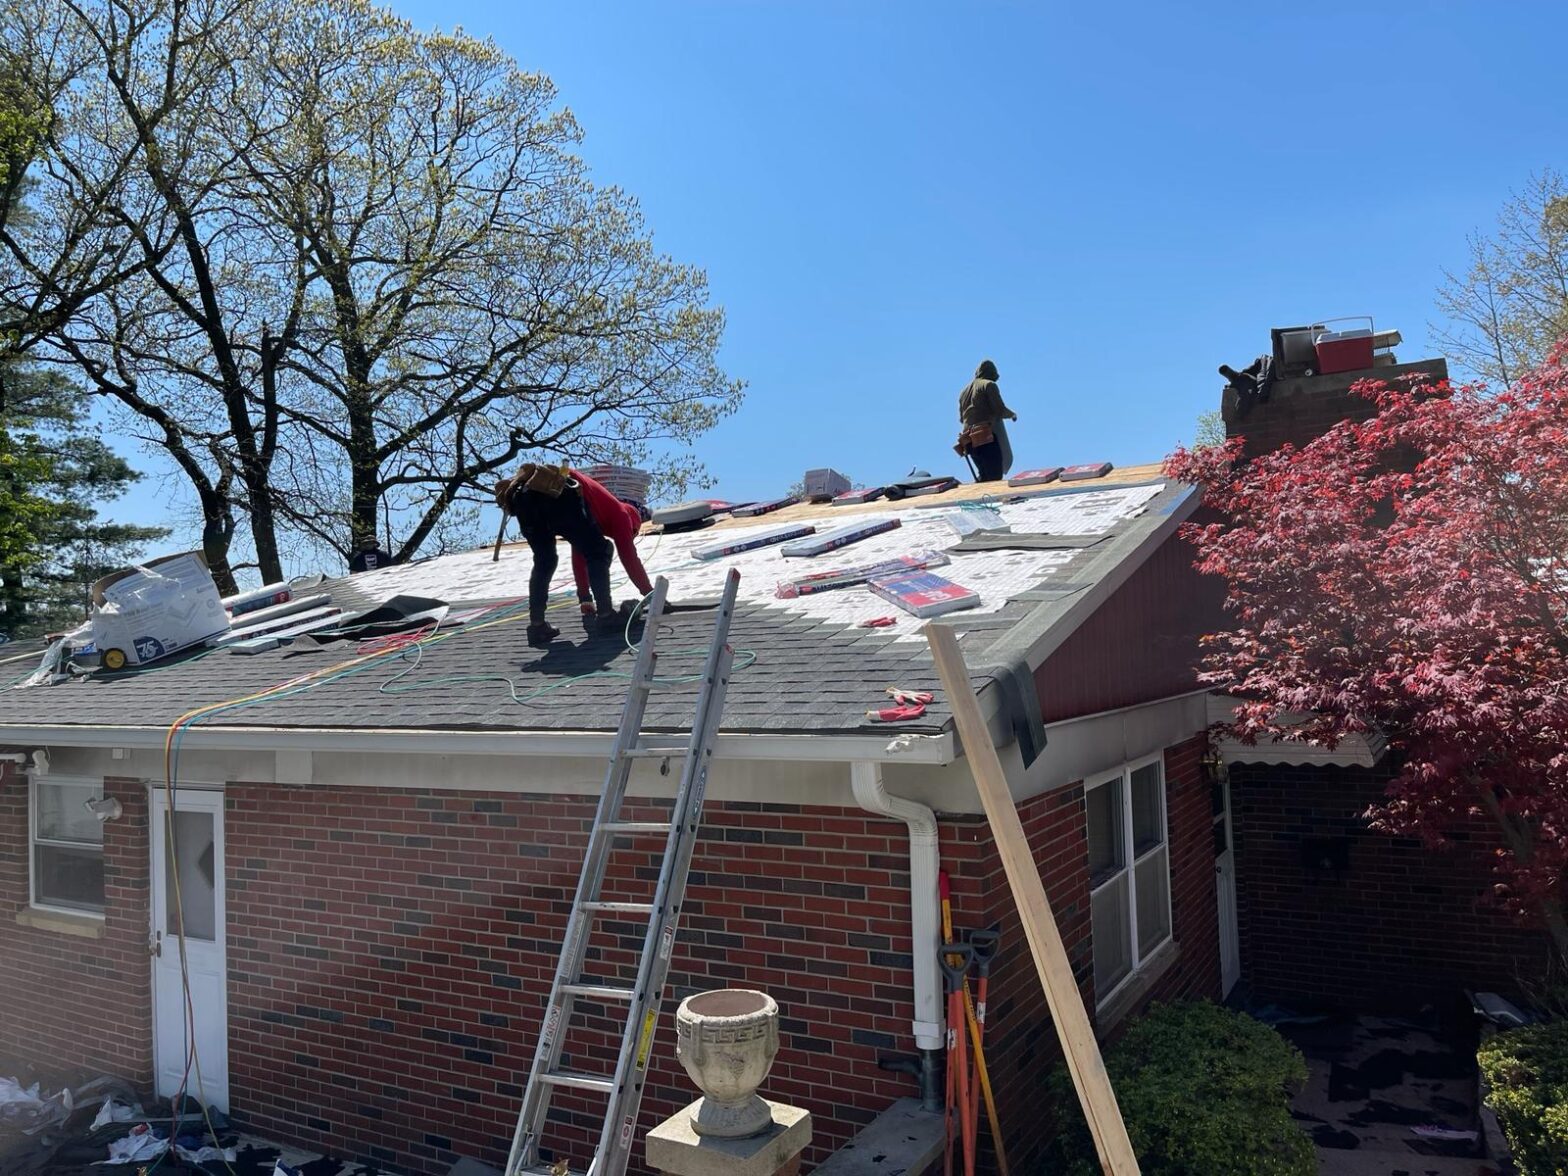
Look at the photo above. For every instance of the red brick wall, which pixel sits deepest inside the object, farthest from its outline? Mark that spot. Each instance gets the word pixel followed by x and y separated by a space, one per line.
pixel 1402 925
pixel 1298 411
pixel 389 952
pixel 1194 903
pixel 75 1007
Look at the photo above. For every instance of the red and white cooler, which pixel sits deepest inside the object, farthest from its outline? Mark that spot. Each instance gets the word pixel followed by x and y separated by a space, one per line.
pixel 1343 344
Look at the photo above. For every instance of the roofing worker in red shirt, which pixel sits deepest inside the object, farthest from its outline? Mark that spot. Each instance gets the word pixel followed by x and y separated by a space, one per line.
pixel 620 522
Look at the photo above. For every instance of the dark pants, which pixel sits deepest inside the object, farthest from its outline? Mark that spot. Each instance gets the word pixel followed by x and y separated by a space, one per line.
pixel 544 519
pixel 988 461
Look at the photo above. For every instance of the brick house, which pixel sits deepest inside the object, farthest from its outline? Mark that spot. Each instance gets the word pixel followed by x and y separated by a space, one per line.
pixel 375 871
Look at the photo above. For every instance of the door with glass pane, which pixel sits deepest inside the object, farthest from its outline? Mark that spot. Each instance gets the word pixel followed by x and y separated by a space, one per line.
pixel 190 998
pixel 1225 888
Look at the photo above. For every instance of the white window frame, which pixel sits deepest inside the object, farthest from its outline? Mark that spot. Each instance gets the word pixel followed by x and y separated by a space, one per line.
pixel 1122 778
pixel 33 841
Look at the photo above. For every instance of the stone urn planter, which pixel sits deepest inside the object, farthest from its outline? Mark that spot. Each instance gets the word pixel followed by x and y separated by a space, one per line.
pixel 727 1041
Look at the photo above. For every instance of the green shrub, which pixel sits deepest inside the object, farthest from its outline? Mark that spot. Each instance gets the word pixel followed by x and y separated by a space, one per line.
pixel 1204 1092
pixel 1527 1071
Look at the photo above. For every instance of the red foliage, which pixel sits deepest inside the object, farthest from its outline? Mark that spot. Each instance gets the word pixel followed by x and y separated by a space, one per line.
pixel 1411 573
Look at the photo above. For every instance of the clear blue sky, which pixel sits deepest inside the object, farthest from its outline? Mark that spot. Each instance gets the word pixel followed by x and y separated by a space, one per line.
pixel 1107 199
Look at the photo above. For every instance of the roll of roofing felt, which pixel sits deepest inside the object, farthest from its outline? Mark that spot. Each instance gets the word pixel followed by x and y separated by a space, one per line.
pixel 297 604
pixel 257 599
pixel 683 512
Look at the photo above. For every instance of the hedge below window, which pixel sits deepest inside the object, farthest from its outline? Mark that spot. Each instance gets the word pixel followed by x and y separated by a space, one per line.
pixel 1204 1091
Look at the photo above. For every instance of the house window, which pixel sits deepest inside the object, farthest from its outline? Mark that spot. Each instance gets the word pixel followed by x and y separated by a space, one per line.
pixel 1129 871
pixel 67 846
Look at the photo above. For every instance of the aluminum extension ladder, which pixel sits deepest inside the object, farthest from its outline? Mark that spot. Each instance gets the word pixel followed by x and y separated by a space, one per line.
pixel 624 1088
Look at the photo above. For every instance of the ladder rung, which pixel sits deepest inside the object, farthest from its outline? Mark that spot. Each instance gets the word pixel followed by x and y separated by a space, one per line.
pixel 615 828
pixel 655 752
pixel 620 908
pixel 578 1081
pixel 599 991
pixel 539 1169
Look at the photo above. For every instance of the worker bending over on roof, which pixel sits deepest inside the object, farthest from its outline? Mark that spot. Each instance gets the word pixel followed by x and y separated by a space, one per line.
pixel 549 504
pixel 620 522
pixel 983 421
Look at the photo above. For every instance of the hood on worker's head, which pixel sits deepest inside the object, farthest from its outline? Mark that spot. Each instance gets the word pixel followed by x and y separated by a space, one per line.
pixel 986 370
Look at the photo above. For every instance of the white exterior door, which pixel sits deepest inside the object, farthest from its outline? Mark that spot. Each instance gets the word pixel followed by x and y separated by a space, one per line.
pixel 1225 889
pixel 190 998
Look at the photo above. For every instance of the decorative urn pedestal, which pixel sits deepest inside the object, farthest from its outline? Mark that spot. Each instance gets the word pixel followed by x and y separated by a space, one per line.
pixel 727 1040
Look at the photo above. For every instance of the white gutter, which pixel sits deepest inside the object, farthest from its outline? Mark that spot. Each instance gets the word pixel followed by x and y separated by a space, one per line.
pixel 866 779
pixel 804 748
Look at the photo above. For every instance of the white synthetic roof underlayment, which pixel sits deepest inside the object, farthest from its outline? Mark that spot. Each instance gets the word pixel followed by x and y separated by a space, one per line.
pixel 996 575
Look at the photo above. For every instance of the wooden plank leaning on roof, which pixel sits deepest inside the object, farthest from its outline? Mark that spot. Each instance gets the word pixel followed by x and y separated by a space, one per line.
pixel 1045 941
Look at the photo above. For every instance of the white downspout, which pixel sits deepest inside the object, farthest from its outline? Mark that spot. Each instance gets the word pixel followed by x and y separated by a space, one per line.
pixel 924 906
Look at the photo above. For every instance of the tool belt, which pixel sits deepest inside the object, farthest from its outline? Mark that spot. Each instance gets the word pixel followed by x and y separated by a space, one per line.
pixel 973 438
pixel 552 481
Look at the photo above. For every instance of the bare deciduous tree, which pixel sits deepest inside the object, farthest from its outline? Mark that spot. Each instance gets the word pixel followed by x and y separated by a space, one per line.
pixel 365 268
pixel 1511 305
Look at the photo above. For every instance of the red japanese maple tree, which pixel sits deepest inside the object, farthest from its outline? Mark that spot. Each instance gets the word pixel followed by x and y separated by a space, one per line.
pixel 1410 574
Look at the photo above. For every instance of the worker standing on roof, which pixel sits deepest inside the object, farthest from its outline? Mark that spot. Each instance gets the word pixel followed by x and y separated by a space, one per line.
pixel 983 418
pixel 549 504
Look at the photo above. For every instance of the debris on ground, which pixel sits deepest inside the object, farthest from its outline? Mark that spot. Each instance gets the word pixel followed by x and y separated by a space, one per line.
pixel 1388 1094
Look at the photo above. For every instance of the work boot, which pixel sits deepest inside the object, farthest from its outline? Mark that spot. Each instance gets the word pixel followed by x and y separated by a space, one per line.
pixel 615 621
pixel 540 635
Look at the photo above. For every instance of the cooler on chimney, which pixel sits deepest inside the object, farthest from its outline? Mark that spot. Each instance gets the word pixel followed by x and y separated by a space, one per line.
pixel 1344 344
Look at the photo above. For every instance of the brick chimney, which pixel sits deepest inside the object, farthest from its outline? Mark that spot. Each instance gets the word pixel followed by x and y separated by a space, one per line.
pixel 1305 407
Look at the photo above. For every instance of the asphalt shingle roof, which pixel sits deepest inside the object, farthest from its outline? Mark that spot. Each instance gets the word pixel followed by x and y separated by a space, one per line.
pixel 803 665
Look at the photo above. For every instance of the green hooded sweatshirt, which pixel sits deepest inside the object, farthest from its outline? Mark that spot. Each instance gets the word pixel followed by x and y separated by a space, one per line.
pixel 980 403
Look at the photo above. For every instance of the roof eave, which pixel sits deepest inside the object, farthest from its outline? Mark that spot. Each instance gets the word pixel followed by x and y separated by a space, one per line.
pixel 804 747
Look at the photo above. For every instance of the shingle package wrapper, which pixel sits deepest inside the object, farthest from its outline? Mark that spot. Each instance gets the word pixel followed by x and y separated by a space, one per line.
pixel 1082 473
pixel 839 537
pixel 751 510
pixel 856 497
pixel 1035 477
pixel 850 577
pixel 925 594
pixel 739 543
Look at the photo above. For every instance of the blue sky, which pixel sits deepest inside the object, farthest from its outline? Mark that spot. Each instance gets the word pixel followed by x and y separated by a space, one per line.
pixel 1107 199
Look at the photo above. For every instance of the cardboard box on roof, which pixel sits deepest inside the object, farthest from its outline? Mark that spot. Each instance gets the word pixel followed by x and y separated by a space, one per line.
pixel 156 608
